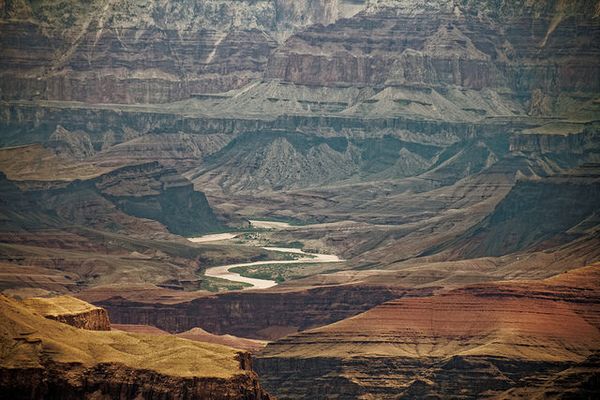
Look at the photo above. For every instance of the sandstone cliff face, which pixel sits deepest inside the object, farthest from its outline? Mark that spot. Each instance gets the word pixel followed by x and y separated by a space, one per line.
pixel 273 314
pixel 123 200
pixel 449 44
pixel 153 192
pixel 560 140
pixel 108 382
pixel 475 342
pixel 71 311
pixel 95 320
pixel 117 201
pixel 151 51
pixel 199 335
pixel 45 359
pixel 143 52
pixel 105 66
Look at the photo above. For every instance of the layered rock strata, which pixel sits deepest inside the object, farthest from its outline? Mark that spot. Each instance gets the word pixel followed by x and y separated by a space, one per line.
pixel 71 311
pixel 43 358
pixel 199 335
pixel 478 341
pixel 118 200
pixel 143 52
pixel 557 208
pixel 274 314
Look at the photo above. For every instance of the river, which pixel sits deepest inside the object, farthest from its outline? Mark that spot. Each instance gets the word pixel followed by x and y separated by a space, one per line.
pixel 224 272
pixel 312 258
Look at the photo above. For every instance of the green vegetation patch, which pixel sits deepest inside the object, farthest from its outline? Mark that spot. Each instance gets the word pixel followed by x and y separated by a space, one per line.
pixel 288 245
pixel 212 284
pixel 282 272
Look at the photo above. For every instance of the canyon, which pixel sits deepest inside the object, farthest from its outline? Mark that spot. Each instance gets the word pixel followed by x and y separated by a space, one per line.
pixel 351 199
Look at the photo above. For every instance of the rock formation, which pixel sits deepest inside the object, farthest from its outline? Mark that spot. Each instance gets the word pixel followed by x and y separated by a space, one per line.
pixel 43 358
pixel 144 52
pixel 153 192
pixel 116 201
pixel 71 311
pixel 478 341
pixel 274 314
pixel 199 335
pixel 555 208
pixel 447 149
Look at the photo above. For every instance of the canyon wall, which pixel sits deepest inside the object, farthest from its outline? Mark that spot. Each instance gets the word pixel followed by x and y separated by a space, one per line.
pixel 125 199
pixel 143 52
pixel 153 192
pixel 496 339
pixel 70 311
pixel 445 43
pixel 253 315
pixel 43 359
pixel 152 51
pixel 554 209
pixel 110 381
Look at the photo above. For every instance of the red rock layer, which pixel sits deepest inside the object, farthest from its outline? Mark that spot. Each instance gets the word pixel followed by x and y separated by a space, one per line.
pixel 71 311
pixel 95 320
pixel 257 315
pixel 199 335
pixel 482 339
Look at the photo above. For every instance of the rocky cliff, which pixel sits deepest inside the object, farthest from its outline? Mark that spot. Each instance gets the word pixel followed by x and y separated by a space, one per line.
pixel 143 52
pixel 539 53
pixel 120 200
pixel 71 311
pixel 273 314
pixel 478 341
pixel 557 208
pixel 199 335
pixel 150 191
pixel 46 359
pixel 474 45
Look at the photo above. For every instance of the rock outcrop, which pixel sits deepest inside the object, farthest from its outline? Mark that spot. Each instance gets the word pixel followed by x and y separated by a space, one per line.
pixel 71 311
pixel 274 314
pixel 478 341
pixel 557 208
pixel 43 358
pixel 153 192
pixel 72 144
pixel 474 45
pixel 143 52
pixel 120 200
pixel 199 335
